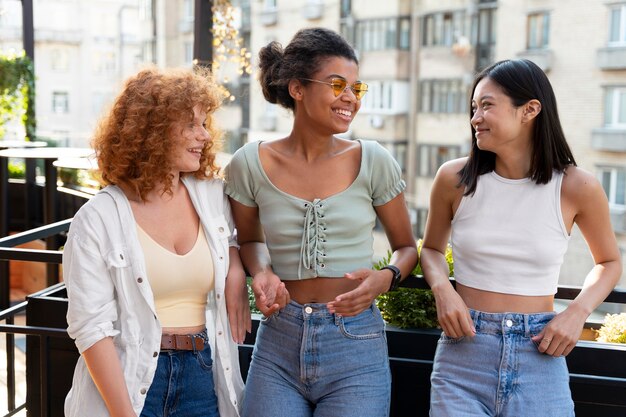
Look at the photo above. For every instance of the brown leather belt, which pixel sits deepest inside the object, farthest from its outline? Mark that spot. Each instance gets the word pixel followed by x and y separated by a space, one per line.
pixel 181 342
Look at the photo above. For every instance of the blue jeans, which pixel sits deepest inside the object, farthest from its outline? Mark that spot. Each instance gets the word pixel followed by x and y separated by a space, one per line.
pixel 183 385
pixel 309 362
pixel 499 372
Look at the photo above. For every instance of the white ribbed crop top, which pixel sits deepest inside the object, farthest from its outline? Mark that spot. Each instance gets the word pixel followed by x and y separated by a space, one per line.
pixel 509 237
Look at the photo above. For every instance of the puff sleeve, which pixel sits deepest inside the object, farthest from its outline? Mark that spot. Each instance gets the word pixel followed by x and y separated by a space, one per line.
pixel 386 179
pixel 239 180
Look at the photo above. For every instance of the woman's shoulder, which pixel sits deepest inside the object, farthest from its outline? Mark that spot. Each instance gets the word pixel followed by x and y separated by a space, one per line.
pixel 449 170
pixel 579 183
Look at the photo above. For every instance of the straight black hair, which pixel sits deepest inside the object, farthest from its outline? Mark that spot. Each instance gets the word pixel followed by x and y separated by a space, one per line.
pixel 522 81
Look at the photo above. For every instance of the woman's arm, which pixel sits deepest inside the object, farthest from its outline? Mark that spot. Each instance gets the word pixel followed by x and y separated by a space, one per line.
pixel 584 203
pixel 270 293
pixel 237 304
pixel 395 220
pixel 106 372
pixel 452 312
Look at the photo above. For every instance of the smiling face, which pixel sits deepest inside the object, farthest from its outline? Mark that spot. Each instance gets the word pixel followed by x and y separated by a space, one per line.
pixel 496 121
pixel 316 104
pixel 189 138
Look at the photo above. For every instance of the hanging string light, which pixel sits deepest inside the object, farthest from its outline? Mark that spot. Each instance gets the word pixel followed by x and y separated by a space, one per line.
pixel 227 44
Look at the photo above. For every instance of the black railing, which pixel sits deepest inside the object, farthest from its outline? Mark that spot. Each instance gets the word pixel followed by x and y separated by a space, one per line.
pixel 410 356
pixel 8 252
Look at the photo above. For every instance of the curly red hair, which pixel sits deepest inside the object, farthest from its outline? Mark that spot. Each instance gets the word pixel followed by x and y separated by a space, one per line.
pixel 132 141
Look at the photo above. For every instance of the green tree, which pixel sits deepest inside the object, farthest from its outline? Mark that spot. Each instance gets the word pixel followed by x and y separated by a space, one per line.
pixel 17 92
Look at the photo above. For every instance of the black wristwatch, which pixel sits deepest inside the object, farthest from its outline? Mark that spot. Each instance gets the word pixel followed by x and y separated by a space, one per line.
pixel 397 276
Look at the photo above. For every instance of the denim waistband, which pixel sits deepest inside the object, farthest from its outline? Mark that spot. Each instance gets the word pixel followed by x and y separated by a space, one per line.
pixel 510 323
pixel 312 311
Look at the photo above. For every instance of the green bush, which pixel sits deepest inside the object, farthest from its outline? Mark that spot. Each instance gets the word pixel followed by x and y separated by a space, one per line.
pixel 17 169
pixel 613 329
pixel 410 307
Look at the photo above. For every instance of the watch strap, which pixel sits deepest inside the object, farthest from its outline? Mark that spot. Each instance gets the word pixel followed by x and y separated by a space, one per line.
pixel 397 276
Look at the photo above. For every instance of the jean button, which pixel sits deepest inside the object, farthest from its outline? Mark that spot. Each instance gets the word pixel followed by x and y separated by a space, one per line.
pixel 509 323
pixel 308 310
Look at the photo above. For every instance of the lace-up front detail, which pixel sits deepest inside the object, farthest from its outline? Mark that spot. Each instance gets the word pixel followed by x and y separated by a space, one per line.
pixel 312 249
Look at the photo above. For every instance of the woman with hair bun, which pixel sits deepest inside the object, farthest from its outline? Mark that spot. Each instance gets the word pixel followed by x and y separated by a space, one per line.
pixel 305 207
pixel 151 263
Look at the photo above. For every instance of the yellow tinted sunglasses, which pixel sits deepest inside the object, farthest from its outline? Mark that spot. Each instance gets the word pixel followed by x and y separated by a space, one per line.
pixel 339 85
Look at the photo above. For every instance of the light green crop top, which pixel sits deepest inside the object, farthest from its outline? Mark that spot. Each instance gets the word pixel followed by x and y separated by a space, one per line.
pixel 319 238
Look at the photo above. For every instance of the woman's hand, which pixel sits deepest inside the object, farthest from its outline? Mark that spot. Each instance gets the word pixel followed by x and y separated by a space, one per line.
pixel 238 306
pixel 453 314
pixel 559 336
pixel 371 284
pixel 269 292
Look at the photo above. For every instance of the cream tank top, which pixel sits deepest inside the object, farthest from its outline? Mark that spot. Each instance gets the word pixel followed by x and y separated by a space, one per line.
pixel 180 283
pixel 509 237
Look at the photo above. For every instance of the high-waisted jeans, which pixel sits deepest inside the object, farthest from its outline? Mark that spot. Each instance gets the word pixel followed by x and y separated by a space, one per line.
pixel 309 362
pixel 499 372
pixel 183 385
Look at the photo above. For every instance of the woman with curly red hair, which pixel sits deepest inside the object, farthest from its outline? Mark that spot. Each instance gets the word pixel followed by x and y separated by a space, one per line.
pixel 151 261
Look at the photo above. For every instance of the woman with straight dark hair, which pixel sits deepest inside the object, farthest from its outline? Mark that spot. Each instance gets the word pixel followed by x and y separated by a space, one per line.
pixel 508 210
pixel 305 207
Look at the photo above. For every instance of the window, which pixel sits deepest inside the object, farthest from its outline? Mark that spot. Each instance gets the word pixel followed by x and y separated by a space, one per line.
pixel 615 107
pixel 397 149
pixel 613 181
pixel 59 59
pixel 383 34
pixel 443 29
pixel 188 51
pixel 60 102
pixel 431 157
pixel 538 31
pixel 443 96
pixel 346 8
pixel 617 25
pixel 486 37
pixel 103 62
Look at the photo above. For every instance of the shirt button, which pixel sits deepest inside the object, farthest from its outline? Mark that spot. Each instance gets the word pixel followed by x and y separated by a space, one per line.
pixel 121 257
pixel 219 333
pixel 140 280
pixel 308 310
pixel 155 354
pixel 143 391
pixel 221 229
pixel 509 323
pixel 218 296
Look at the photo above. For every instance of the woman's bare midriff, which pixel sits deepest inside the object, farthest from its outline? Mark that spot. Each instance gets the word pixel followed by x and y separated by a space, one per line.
pixel 183 330
pixel 319 290
pixel 494 302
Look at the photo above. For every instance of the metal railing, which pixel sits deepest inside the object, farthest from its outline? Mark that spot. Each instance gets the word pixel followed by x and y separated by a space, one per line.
pixel 8 252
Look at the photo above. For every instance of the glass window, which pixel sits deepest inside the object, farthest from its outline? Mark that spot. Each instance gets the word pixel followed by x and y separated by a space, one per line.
pixel 617 26
pixel 538 31
pixel 383 34
pixel 615 107
pixel 443 96
pixel 60 60
pixel 60 102
pixel 443 29
pixel 613 181
pixel 431 157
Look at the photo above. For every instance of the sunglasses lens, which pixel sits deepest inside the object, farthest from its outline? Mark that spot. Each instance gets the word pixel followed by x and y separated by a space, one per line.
pixel 359 89
pixel 338 86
